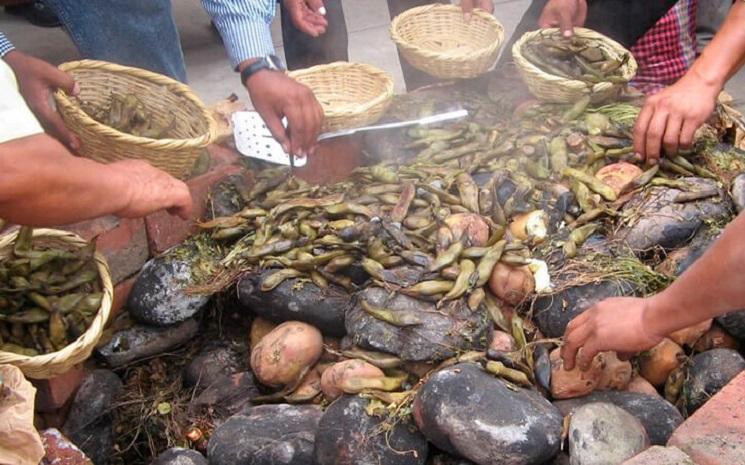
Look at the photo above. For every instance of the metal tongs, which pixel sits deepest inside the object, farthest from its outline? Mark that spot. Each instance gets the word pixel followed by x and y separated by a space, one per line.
pixel 450 115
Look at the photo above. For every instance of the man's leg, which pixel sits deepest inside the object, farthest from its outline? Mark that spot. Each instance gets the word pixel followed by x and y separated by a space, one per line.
pixel 412 76
pixel 302 50
pixel 137 33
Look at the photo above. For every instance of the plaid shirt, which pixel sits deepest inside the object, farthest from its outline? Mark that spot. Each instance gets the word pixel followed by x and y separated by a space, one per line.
pixel 668 50
pixel 5 45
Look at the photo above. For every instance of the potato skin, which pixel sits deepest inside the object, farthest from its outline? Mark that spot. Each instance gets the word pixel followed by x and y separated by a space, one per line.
pixel 511 284
pixel 333 377
pixel 285 352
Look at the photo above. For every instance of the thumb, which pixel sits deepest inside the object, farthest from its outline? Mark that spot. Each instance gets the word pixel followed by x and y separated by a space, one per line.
pixel 316 6
pixel 467 7
pixel 565 23
pixel 59 79
pixel 274 124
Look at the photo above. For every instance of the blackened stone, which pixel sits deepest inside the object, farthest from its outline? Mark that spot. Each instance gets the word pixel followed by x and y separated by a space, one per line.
pixel 347 435
pixel 446 459
pixel 681 259
pixel 661 222
pixel 266 435
pixel 553 312
pixel 142 341
pixel 159 297
pixel 738 192
pixel 90 421
pixel 659 417
pixel 295 300
pixel 470 413
pixel 209 364
pixel 709 373
pixel 180 456
pixel 733 323
pixel 443 331
pixel 226 198
pixel 602 434
pixel 228 395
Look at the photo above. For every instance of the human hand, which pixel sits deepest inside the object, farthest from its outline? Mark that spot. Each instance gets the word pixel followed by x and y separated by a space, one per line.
pixel 618 323
pixel 151 190
pixel 276 95
pixel 308 16
pixel 468 5
pixel 37 80
pixel 670 118
pixel 564 14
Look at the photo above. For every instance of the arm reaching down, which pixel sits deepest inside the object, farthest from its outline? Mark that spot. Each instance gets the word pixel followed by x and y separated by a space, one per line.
pixel 42 184
pixel 712 286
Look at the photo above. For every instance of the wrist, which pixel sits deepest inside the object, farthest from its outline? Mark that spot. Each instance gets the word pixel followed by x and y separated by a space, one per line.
pixel 711 81
pixel 659 315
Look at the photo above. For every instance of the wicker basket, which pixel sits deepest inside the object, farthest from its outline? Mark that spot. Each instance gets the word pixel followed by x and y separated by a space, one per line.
pixel 551 88
pixel 167 101
pixel 436 39
pixel 56 363
pixel 351 94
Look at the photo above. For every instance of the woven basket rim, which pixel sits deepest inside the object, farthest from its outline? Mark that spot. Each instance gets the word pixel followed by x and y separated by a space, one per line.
pixel 575 84
pixel 414 48
pixel 343 66
pixel 46 363
pixel 182 90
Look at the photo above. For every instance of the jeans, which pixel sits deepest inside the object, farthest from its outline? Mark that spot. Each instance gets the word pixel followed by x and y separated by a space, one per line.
pixel 138 33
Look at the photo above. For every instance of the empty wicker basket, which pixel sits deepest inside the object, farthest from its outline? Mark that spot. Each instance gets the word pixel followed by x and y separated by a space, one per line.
pixel 351 94
pixel 56 363
pixel 437 40
pixel 167 101
pixel 552 88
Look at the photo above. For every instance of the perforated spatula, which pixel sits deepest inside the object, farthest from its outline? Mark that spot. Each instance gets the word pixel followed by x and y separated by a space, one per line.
pixel 253 139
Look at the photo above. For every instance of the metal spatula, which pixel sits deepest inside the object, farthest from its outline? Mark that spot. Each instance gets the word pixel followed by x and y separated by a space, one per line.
pixel 253 139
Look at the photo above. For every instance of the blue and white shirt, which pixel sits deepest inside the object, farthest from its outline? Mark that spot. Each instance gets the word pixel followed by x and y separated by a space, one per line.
pixel 5 45
pixel 244 26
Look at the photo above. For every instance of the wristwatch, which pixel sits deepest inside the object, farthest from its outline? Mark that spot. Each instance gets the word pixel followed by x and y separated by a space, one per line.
pixel 271 62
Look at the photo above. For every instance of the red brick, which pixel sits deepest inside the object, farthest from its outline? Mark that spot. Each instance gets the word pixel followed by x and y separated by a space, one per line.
pixel 60 450
pixel 658 455
pixel 121 293
pixel 52 394
pixel 123 241
pixel 164 230
pixel 224 154
pixel 715 434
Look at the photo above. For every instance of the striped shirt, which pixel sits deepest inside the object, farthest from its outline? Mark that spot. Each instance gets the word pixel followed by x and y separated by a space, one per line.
pixel 5 45
pixel 244 26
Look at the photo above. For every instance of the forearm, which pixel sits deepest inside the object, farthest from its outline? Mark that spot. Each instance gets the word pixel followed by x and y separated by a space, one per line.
pixel 42 184
pixel 712 286
pixel 726 53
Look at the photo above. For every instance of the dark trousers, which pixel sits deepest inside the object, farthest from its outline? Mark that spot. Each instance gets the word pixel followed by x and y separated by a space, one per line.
pixel 302 50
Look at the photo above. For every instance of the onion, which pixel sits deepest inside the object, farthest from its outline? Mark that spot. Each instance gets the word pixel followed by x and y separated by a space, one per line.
pixel 530 226
pixel 656 364
pixel 283 355
pixel 716 338
pixel 468 227
pixel 259 328
pixel 616 373
pixel 511 284
pixel 618 175
pixel 641 385
pixel 688 336
pixel 573 383
pixel 335 377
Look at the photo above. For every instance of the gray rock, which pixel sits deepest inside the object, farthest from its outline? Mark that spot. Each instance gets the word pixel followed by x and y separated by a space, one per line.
pixel 664 223
pixel 659 417
pixel 266 435
pixel 709 373
pixel 142 341
pixel 90 421
pixel 604 434
pixel 158 295
pixel 226 198
pixel 180 456
pixel 322 308
pixel 443 331
pixel 347 435
pixel 682 258
pixel 738 192
pixel 733 323
pixel 228 394
pixel 553 312
pixel 467 412
pixel 445 459
pixel 209 364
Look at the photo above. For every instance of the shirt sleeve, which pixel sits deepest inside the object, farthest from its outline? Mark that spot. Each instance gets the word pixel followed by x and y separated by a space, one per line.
pixel 5 45
pixel 244 26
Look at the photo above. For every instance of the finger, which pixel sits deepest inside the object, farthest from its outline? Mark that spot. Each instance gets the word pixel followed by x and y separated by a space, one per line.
pixel 53 123
pixel 296 128
pixel 581 16
pixel 467 7
pixel 274 124
pixel 312 125
pixel 578 320
pixel 58 79
pixel 487 5
pixel 687 133
pixel 656 130
pixel 573 341
pixel 671 138
pixel 316 6
pixel 566 25
pixel 586 355
pixel 319 118
pixel 641 127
